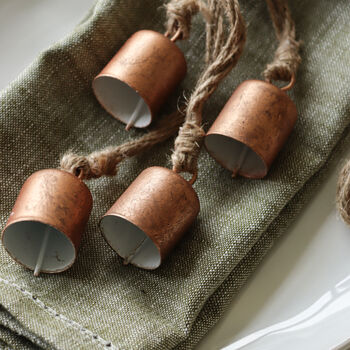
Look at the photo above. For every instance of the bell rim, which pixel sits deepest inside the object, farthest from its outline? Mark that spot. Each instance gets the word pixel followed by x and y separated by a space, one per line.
pixel 33 219
pixel 241 173
pixel 117 251
pixel 115 116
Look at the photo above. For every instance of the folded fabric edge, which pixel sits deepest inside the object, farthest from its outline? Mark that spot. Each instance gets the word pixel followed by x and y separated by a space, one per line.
pixel 13 296
pixel 293 201
pixel 49 325
pixel 18 331
pixel 12 340
pixel 230 288
pixel 3 345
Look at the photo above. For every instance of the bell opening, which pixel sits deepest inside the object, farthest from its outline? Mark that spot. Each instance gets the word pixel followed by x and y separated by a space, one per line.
pixel 130 242
pixel 38 246
pixel 235 156
pixel 122 102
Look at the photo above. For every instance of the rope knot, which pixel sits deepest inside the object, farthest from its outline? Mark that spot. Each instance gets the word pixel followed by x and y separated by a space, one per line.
pixel 74 164
pixel 179 14
pixel 187 148
pixel 92 166
pixel 286 59
pixel 285 62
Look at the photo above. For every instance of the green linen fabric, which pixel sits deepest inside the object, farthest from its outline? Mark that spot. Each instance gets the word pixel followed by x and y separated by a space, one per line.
pixel 50 108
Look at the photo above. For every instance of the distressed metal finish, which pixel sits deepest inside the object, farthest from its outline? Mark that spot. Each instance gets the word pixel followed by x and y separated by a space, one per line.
pixel 151 64
pixel 261 116
pixel 56 198
pixel 162 204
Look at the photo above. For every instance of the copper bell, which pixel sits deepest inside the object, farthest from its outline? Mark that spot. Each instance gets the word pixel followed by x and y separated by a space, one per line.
pixel 140 77
pixel 251 128
pixel 46 224
pixel 150 217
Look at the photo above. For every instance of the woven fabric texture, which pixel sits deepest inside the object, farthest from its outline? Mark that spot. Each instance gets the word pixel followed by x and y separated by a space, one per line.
pixel 50 108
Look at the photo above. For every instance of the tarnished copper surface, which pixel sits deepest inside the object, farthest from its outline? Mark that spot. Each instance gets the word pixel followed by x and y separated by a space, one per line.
pixel 56 198
pixel 261 116
pixel 162 204
pixel 151 64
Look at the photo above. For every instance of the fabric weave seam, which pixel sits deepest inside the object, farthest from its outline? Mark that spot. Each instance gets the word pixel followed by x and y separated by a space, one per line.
pixel 86 332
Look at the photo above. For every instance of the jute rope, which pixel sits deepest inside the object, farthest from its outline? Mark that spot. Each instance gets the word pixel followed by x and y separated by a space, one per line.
pixel 223 48
pixel 105 162
pixel 287 59
pixel 343 193
pixel 225 39
pixel 226 34
pixel 180 13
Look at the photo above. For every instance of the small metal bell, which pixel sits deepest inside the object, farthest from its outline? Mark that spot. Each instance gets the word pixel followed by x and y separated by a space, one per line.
pixel 46 224
pixel 150 217
pixel 140 77
pixel 251 128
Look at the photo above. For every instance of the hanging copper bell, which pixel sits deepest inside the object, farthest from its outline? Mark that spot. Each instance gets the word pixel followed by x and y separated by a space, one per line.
pixel 140 77
pixel 251 128
pixel 46 224
pixel 150 217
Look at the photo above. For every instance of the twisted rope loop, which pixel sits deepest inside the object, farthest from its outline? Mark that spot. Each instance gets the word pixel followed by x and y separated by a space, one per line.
pixel 225 39
pixel 343 193
pixel 287 59
pixel 179 14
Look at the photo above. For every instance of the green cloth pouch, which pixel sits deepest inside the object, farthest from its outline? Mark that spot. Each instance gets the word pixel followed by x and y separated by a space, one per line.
pixel 99 303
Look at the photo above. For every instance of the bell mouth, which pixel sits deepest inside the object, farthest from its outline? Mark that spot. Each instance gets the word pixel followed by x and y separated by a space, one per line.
pixel 24 239
pixel 122 101
pixel 130 242
pixel 235 156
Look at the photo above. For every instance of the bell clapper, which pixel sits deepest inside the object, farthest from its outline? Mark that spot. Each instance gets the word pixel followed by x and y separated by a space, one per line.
pixel 41 255
pixel 136 115
pixel 131 256
pixel 241 160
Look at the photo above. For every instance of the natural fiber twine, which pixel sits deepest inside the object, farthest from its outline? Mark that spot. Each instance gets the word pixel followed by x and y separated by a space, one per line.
pixel 225 39
pixel 287 59
pixel 343 193
pixel 222 54
pixel 180 13
pixel 105 162
pixel 223 48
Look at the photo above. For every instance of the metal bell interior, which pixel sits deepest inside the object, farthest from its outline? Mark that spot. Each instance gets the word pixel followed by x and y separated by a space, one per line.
pixel 122 101
pixel 23 240
pixel 130 242
pixel 235 156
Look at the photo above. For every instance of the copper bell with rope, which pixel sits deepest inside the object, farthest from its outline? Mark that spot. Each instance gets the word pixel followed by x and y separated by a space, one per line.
pixel 252 128
pixel 140 77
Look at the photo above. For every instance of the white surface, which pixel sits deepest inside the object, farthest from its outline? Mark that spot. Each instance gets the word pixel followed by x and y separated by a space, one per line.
pixel 121 101
pixel 29 26
pixel 234 155
pixel 308 268
pixel 130 242
pixel 24 240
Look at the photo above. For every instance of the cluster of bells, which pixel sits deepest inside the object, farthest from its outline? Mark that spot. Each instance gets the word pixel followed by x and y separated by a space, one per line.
pixel 46 224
